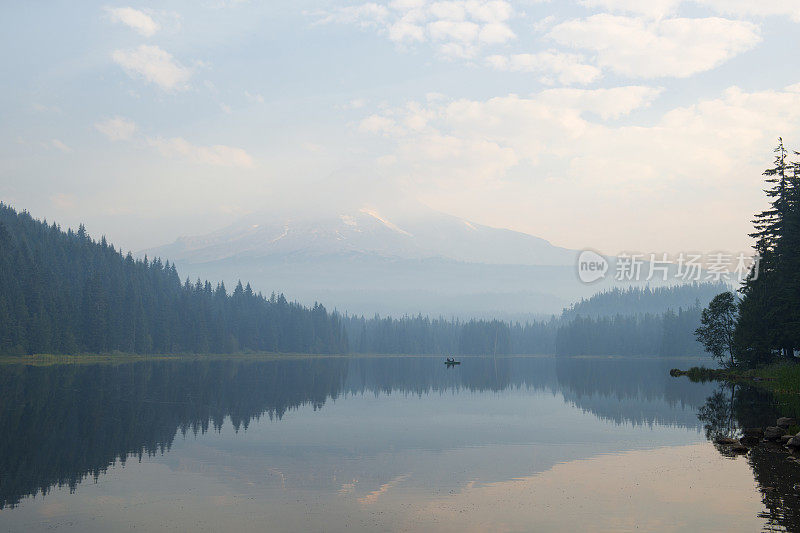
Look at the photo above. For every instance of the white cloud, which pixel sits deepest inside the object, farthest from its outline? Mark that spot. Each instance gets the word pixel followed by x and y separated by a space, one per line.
pixel 154 65
pixel 737 8
pixel 462 141
pixel 493 11
pixel 122 129
pixel 117 128
pixel 651 8
pixel 451 30
pixel 379 124
pixel 364 15
pixel 567 68
pixel 676 47
pixel 133 18
pixel 495 33
pixel 557 149
pixel 254 98
pixel 218 155
pixel 41 108
pixel 57 144
pixel 740 8
pixel 612 103
pixel 356 103
pixel 459 28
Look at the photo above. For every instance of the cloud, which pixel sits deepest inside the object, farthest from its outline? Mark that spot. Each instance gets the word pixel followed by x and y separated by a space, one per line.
pixel 379 124
pixel 557 149
pixel 741 8
pixel 364 15
pixel 41 108
pixel 495 33
pixel 466 141
pixel 254 98
pixel 117 128
pixel 55 143
pixel 567 68
pixel 122 129
pixel 736 8
pixel 217 155
pixel 356 103
pixel 133 18
pixel 453 30
pixel 154 65
pixel 676 47
pixel 651 8
pixel 459 28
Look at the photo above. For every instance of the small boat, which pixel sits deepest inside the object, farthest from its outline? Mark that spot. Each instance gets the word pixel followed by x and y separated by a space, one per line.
pixel 451 362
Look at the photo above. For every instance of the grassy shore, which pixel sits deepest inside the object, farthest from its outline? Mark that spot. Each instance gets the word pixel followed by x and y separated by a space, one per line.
pixel 782 379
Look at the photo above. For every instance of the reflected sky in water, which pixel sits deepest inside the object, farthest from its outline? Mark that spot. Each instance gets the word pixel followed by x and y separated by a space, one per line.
pixel 387 443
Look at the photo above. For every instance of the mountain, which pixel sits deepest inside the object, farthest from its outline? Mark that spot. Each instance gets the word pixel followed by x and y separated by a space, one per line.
pixel 368 260
pixel 368 232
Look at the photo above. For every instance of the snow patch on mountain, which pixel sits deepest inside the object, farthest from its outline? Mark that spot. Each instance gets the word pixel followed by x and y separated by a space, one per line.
pixel 374 214
pixel 366 232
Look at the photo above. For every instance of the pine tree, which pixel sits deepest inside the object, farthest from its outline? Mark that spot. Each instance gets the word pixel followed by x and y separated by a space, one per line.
pixel 769 314
pixel 63 292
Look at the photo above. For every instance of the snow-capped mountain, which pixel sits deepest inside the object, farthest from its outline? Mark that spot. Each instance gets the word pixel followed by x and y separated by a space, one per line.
pixel 367 260
pixel 367 231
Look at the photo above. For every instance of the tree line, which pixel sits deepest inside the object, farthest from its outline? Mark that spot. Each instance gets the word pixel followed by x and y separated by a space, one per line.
pixel 644 300
pixel 63 292
pixel 669 332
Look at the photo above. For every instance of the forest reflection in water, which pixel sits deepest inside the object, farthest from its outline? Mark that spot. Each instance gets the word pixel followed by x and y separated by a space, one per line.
pixel 320 420
pixel 732 408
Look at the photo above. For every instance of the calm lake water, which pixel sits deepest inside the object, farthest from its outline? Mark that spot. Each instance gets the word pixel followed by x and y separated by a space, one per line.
pixel 381 444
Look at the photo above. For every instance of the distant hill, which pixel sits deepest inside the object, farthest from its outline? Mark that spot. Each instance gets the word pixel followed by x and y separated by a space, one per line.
pixel 641 300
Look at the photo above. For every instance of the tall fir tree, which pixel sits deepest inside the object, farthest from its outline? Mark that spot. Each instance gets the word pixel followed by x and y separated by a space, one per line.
pixel 769 314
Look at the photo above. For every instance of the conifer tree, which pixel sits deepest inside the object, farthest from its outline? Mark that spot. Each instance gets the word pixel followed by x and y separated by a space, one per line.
pixel 769 314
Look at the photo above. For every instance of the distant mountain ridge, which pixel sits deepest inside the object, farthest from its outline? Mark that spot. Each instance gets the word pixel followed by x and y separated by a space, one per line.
pixel 391 261
pixel 366 231
pixel 641 300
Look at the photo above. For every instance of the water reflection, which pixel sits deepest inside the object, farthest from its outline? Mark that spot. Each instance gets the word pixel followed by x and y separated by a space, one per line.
pixel 730 409
pixel 60 424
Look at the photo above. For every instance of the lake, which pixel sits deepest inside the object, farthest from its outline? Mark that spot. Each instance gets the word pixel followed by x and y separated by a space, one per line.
pixel 382 444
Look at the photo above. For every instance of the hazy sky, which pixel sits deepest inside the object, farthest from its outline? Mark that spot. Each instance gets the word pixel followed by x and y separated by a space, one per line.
pixel 612 124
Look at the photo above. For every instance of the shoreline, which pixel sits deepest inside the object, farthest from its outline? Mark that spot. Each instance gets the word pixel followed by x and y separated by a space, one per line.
pixel 123 358
pixel 782 378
